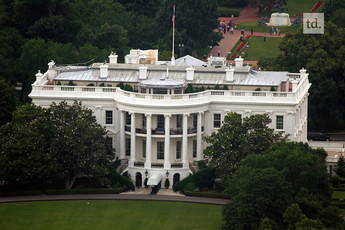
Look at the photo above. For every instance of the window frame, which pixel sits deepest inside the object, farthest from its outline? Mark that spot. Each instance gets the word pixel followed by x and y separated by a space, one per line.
pixel 217 122
pixel 160 150
pixel 279 123
pixel 109 120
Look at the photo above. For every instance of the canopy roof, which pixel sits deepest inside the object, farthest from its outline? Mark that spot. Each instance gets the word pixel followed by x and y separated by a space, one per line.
pixel 155 179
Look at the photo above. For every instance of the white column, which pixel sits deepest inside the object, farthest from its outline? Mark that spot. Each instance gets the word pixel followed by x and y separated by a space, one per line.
pixel 122 136
pixel 148 141
pixel 132 159
pixel 185 141
pixel 198 139
pixel 167 164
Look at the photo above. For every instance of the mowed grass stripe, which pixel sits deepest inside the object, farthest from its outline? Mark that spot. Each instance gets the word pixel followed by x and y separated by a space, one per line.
pixel 109 215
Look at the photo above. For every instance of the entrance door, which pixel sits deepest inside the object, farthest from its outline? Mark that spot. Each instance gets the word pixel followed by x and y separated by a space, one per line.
pixel 138 180
pixel 176 178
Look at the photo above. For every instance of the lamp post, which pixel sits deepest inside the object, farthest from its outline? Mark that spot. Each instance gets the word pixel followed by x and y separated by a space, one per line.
pixel 146 173
pixel 167 173
pixel 181 48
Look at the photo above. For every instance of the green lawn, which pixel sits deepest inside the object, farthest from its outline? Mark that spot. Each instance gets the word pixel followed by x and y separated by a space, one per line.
pixel 298 7
pixel 338 195
pixel 109 214
pixel 258 48
pixel 266 29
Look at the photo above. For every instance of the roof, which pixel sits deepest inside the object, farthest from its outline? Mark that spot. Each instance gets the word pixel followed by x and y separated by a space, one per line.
pixel 188 61
pixel 155 179
pixel 162 83
pixel 129 73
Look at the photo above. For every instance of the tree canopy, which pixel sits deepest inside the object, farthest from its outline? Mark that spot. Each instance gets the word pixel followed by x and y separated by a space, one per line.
pixel 266 185
pixel 237 139
pixel 63 141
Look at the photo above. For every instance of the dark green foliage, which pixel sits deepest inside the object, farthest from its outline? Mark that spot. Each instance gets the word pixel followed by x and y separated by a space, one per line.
pixel 7 102
pixel 70 83
pixel 145 182
pixel 233 3
pixel 323 57
pixel 225 12
pixel 91 84
pixel 202 165
pixel 236 139
pixel 225 87
pixel 201 179
pixel 266 185
pixel 189 187
pixel 335 181
pixel 167 183
pixel 126 87
pixel 340 167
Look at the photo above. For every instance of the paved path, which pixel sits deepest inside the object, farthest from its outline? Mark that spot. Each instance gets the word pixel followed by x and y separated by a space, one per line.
pixel 229 41
pixel 189 199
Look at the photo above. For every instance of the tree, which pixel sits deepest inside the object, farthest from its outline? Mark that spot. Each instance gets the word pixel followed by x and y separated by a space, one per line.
pixel 268 185
pixel 7 102
pixel 79 144
pixel 195 32
pixel 236 139
pixel 340 167
pixel 322 56
pixel 25 157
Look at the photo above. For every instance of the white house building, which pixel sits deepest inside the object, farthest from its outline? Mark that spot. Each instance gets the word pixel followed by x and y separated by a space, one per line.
pixel 157 130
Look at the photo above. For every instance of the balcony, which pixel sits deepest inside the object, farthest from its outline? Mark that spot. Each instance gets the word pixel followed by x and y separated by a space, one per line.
pixel 161 131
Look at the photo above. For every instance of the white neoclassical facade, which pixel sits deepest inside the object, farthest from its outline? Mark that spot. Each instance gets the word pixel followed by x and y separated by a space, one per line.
pixel 158 129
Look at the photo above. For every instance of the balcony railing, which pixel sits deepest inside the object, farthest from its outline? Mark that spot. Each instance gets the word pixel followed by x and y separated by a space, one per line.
pixel 200 98
pixel 161 131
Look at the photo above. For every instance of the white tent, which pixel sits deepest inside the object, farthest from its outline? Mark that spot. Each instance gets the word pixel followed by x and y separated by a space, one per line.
pixel 155 179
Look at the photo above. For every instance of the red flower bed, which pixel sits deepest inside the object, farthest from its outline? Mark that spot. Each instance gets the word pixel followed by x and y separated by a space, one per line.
pixel 248 36
pixel 240 47
pixel 234 55
pixel 317 6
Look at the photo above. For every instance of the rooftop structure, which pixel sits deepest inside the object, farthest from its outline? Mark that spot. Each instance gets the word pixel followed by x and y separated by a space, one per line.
pixel 158 127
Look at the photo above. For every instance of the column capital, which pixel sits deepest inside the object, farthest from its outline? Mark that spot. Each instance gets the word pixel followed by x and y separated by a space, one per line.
pixel 186 114
pixel 148 114
pixel 201 113
pixel 167 115
pixel 130 112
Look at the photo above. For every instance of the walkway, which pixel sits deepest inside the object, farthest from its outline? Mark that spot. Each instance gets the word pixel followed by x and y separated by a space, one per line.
pixel 126 196
pixel 248 14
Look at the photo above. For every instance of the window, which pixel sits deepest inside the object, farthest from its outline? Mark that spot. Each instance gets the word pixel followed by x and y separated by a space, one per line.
pixel 144 121
pixel 109 141
pixel 160 150
pixel 128 147
pixel 195 120
pixel 279 122
pixel 178 149
pixel 108 117
pixel 144 148
pixel 178 121
pixel 216 120
pixel 128 119
pixel 194 148
pixel 160 121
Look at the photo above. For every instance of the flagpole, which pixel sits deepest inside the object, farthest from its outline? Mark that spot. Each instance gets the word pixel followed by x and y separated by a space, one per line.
pixel 173 40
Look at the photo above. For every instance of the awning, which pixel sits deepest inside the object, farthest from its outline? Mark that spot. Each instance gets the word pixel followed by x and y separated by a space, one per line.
pixel 155 179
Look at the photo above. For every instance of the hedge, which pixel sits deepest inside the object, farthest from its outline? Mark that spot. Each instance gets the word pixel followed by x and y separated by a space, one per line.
pixel 21 193
pixel 226 12
pixel 207 194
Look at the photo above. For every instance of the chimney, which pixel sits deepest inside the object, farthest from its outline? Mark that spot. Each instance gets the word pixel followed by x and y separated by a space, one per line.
pixel 103 70
pixel 142 72
pixel 229 74
pixel 190 74
pixel 39 77
pixel 294 85
pixel 302 73
pixel 51 70
pixel 239 62
pixel 113 58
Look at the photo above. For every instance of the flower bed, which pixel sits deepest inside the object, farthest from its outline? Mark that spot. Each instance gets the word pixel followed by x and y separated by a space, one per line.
pixel 248 36
pixel 317 6
pixel 234 55
pixel 240 47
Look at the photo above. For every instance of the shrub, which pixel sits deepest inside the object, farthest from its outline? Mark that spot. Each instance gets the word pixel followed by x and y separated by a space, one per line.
pixel 91 84
pixel 58 83
pixel 335 181
pixel 189 187
pixel 145 182
pixel 202 179
pixel 85 191
pixel 202 165
pixel 167 183
pixel 102 84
